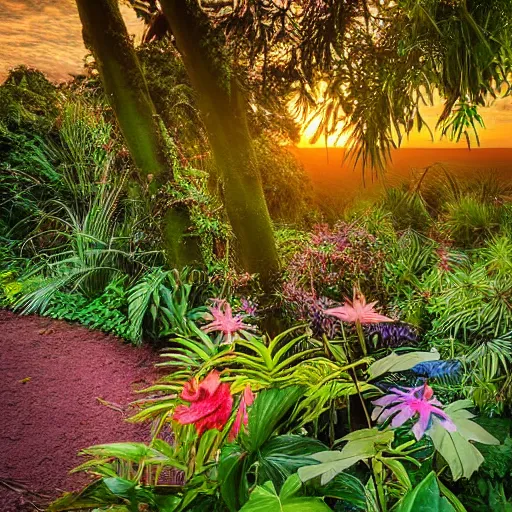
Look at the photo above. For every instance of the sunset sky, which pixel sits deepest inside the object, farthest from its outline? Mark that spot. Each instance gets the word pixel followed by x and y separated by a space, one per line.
pixel 46 34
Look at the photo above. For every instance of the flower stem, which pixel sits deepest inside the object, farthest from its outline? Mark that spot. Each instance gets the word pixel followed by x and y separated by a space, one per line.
pixel 352 373
pixel 360 334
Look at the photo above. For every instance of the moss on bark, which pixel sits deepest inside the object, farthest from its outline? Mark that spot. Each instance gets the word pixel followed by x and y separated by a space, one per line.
pixel 106 36
pixel 223 108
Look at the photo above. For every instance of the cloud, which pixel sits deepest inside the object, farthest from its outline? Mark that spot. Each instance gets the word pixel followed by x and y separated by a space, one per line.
pixel 40 35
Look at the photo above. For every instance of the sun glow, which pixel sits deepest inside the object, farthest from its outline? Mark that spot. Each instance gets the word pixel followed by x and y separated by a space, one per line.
pixel 309 129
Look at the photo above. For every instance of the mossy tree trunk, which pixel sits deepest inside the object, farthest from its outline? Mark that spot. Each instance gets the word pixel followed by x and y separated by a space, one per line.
pixel 224 112
pixel 106 36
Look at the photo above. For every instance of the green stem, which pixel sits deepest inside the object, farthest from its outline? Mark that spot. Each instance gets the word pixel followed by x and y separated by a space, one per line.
pixel 381 494
pixel 353 375
pixel 360 334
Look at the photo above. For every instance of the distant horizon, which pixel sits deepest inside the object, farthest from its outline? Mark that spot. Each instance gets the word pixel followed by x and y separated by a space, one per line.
pixel 336 179
pixel 409 148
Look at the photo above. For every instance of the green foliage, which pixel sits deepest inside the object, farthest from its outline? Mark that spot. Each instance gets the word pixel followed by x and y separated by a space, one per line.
pixel 264 498
pixel 275 457
pixel 28 112
pixel 425 497
pixel 469 301
pixel 497 255
pixel 28 101
pixel 470 221
pixel 455 447
pixel 174 99
pixel 163 302
pixel 463 120
pixel 107 312
pixel 285 360
pixel 404 52
pixel 362 444
pixel 286 185
pixel 490 363
pixel 407 209
pixel 90 256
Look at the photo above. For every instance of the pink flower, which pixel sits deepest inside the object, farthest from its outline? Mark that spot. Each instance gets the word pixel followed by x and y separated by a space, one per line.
pixel 224 321
pixel 210 404
pixel 358 311
pixel 407 404
pixel 242 415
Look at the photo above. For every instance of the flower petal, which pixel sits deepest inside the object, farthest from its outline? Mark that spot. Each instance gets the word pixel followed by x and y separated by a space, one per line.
pixel 387 400
pixel 421 425
pixel 404 415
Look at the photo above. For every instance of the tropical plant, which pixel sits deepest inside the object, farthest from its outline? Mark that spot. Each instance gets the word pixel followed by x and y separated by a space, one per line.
pixel 265 497
pixel 165 303
pixel 468 301
pixel 407 209
pixel 470 221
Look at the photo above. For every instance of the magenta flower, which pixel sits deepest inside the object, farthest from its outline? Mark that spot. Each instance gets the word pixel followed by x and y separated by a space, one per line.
pixel 223 321
pixel 404 405
pixel 357 310
pixel 248 307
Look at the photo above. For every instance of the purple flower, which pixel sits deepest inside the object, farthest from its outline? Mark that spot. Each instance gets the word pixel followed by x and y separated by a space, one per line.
pixel 405 405
pixel 222 320
pixel 393 334
pixel 308 307
pixel 249 307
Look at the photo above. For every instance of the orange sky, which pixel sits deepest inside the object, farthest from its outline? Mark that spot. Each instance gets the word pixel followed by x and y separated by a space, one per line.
pixel 46 34
pixel 497 133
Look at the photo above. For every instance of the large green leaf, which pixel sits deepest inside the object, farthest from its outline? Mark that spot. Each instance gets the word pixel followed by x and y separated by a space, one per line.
pixel 232 469
pixel 455 447
pixel 362 444
pixel 398 470
pixel 345 487
pixel 282 456
pixel 400 363
pixel 277 459
pixel 425 497
pixel 265 499
pixel 267 413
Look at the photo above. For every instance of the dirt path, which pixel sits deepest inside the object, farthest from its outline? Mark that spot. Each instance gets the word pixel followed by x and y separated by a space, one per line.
pixel 51 376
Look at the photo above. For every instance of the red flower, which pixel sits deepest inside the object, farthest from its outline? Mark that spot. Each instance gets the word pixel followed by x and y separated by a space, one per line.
pixel 242 415
pixel 210 404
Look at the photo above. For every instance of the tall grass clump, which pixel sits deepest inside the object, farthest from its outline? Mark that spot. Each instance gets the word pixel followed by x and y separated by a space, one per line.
pixel 84 237
pixel 407 209
pixel 470 221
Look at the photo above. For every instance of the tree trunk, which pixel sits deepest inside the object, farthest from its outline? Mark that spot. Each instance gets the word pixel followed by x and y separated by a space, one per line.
pixel 224 111
pixel 105 34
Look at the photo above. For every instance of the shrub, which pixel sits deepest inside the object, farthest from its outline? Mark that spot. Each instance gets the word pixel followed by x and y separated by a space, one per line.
pixel 337 259
pixel 286 185
pixel 28 101
pixel 107 312
pixel 469 221
pixel 407 209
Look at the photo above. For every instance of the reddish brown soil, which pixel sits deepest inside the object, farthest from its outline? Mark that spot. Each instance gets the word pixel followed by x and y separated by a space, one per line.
pixel 51 376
